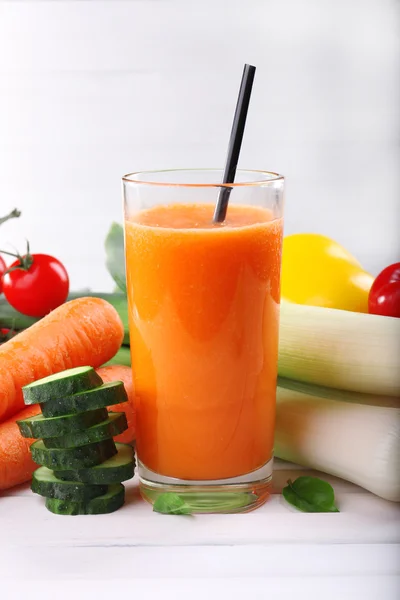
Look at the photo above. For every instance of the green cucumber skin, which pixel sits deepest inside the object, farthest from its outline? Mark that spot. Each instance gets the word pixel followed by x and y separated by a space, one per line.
pixel 65 490
pixel 102 431
pixel 103 474
pixel 106 395
pixel 105 477
pixel 73 458
pixel 64 386
pixel 108 503
pixel 59 426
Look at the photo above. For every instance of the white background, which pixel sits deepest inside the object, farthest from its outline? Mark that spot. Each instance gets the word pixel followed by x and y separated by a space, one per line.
pixel 90 90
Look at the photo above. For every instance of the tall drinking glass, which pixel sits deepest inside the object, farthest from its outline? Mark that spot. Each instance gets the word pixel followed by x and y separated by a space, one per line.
pixel 204 315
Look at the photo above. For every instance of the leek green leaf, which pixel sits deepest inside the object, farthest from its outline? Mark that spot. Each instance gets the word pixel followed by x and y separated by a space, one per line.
pixel 115 255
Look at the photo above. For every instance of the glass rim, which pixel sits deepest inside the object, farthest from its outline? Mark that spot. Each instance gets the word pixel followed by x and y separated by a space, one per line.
pixel 272 178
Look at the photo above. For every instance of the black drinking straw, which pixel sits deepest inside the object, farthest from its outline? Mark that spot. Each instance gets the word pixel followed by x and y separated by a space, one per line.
pixel 235 142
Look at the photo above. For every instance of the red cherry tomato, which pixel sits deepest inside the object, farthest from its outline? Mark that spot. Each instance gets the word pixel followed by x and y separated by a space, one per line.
pixel 6 334
pixel 2 269
pixel 384 295
pixel 39 288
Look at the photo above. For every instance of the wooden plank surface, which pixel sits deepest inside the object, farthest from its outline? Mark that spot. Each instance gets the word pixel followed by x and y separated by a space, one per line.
pixel 364 519
pixel 275 548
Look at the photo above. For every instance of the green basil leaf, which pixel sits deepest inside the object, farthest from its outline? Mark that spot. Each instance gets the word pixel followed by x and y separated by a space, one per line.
pixel 310 494
pixel 171 504
pixel 115 255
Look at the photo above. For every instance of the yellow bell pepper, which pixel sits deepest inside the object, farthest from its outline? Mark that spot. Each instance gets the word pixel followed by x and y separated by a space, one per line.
pixel 317 271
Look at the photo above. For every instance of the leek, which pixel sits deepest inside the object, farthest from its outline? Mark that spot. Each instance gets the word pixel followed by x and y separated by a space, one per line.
pixel 340 349
pixel 349 435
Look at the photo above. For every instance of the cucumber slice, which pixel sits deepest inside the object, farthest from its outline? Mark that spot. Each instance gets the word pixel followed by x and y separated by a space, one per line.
pixel 42 427
pixel 73 458
pixel 99 397
pixel 114 424
pixel 61 384
pixel 45 483
pixel 111 501
pixel 114 470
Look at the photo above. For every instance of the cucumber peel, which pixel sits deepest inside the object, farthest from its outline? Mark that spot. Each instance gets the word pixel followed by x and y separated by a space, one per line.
pixel 45 483
pixel 73 458
pixel 106 395
pixel 42 427
pixel 114 424
pixel 119 467
pixel 61 384
pixel 109 502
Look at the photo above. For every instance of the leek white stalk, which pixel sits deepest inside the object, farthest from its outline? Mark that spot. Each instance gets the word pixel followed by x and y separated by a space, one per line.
pixel 353 436
pixel 340 349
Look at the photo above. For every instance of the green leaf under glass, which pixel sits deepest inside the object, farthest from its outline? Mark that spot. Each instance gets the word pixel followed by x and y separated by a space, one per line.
pixel 310 494
pixel 115 255
pixel 171 504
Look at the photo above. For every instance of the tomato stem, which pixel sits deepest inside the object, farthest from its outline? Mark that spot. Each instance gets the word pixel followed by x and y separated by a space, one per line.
pixel 25 262
pixel 12 215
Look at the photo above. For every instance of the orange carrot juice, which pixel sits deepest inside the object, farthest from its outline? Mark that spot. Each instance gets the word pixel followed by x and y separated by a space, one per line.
pixel 204 308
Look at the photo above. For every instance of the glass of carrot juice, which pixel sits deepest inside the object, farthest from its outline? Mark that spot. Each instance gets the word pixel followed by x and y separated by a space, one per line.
pixel 204 316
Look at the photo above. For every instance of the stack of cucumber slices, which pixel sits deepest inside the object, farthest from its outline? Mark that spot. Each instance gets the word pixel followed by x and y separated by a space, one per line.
pixel 82 467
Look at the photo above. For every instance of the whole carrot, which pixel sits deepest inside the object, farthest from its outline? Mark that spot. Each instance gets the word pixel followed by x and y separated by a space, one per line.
pixel 85 331
pixel 121 373
pixel 16 464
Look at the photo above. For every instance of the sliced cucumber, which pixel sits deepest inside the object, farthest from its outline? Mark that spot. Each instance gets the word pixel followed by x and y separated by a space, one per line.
pixel 42 427
pixel 111 501
pixel 45 483
pixel 114 424
pixel 73 458
pixel 106 395
pixel 61 384
pixel 118 468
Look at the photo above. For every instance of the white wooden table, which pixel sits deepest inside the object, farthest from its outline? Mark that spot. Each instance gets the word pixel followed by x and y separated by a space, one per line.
pixel 274 552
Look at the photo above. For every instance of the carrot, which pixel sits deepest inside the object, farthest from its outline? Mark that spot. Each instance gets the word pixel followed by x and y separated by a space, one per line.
pixel 85 331
pixel 121 373
pixel 16 464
